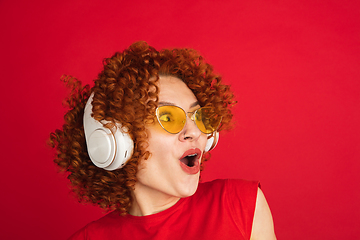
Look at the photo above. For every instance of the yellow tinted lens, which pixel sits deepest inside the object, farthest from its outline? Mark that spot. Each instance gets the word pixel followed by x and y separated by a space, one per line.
pixel 207 120
pixel 171 118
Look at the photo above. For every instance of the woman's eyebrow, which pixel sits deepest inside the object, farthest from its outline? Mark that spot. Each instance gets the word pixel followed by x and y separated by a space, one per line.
pixel 194 104
pixel 166 103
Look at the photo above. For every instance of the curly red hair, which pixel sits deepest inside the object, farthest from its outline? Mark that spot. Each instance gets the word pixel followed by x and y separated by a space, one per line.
pixel 126 92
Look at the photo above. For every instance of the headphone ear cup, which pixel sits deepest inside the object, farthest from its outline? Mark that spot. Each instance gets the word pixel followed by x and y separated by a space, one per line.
pixel 107 148
pixel 124 149
pixel 101 147
pixel 212 141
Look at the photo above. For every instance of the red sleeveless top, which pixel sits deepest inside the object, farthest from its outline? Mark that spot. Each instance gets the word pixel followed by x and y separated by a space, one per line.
pixel 221 209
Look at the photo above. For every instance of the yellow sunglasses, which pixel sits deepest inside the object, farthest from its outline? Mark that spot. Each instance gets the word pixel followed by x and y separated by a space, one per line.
pixel 173 118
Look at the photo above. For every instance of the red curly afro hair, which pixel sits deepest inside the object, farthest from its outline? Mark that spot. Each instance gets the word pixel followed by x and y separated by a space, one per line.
pixel 126 92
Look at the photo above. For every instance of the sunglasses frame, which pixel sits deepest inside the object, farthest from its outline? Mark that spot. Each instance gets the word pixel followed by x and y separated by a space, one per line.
pixel 187 114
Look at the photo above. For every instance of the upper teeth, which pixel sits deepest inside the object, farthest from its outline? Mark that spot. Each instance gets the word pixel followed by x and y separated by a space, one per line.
pixel 191 155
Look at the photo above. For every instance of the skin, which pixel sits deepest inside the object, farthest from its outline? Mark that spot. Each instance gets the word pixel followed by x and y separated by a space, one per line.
pixel 161 180
pixel 263 226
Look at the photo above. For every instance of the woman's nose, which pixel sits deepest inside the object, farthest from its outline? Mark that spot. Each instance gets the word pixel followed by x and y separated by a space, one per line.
pixel 190 131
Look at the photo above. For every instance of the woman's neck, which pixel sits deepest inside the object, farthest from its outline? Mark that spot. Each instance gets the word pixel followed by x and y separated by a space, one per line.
pixel 146 201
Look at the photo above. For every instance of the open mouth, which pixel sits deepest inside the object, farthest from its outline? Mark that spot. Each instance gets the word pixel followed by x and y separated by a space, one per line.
pixel 190 159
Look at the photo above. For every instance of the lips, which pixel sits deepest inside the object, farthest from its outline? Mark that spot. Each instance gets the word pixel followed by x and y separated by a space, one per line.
pixel 189 161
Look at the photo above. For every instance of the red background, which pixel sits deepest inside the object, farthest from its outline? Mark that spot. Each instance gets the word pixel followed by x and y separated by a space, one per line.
pixel 294 66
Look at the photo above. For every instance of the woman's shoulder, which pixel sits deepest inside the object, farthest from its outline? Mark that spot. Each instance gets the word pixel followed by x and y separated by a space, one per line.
pixel 236 194
pixel 233 199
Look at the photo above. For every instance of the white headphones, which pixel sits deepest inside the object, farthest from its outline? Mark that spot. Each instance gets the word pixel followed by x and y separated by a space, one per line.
pixel 212 141
pixel 107 148
pixel 111 148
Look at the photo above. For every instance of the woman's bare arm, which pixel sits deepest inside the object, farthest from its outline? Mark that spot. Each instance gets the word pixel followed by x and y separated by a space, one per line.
pixel 263 226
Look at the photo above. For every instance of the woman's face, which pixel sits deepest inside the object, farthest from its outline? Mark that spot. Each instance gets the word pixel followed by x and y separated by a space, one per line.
pixel 166 173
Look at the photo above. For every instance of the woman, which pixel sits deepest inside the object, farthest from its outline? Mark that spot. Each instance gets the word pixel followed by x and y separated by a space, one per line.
pixel 135 143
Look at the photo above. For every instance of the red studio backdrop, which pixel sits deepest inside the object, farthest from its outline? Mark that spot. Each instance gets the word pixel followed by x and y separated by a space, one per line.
pixel 293 65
